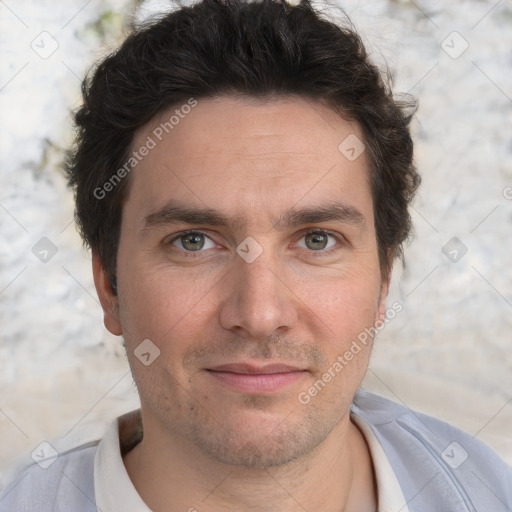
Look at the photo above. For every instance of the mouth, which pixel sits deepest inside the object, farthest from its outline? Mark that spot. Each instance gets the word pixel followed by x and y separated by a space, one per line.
pixel 250 378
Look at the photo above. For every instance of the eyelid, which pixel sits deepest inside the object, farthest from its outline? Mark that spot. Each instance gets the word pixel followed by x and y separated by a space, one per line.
pixel 338 236
pixel 180 234
pixel 342 241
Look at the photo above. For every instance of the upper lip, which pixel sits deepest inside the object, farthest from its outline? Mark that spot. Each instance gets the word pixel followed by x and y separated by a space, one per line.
pixel 251 368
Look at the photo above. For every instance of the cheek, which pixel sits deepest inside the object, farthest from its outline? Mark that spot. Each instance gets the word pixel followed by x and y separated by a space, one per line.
pixel 348 310
pixel 166 306
pixel 350 300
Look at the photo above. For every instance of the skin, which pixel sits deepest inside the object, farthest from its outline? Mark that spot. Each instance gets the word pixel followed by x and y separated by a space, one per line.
pixel 206 445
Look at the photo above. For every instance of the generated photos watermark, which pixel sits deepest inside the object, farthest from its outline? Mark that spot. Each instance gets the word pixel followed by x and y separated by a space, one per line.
pixel 344 359
pixel 151 142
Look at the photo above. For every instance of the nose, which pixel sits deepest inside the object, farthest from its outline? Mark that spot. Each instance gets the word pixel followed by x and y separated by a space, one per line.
pixel 258 300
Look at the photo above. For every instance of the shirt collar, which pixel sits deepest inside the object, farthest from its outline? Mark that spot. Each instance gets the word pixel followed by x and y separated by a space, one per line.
pixel 391 497
pixel 112 485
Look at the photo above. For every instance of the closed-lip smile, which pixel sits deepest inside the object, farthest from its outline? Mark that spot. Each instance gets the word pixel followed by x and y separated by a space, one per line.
pixel 247 368
pixel 253 378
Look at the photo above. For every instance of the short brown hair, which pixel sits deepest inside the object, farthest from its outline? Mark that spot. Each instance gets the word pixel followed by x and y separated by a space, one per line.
pixel 257 48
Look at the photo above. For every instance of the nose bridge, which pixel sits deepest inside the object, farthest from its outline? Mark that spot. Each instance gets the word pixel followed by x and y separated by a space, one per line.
pixel 260 277
pixel 258 301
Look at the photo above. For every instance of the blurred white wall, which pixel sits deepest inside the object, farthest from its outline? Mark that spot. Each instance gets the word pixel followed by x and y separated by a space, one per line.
pixel 448 352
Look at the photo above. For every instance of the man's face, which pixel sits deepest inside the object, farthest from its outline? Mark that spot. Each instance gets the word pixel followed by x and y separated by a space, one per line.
pixel 259 292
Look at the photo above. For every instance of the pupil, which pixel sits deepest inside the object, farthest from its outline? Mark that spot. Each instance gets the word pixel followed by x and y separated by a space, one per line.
pixel 193 239
pixel 318 238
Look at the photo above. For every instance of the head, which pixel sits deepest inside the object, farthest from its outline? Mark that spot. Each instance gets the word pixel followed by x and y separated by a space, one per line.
pixel 251 123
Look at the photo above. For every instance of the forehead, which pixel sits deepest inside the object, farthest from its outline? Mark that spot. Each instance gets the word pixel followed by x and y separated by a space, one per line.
pixel 237 153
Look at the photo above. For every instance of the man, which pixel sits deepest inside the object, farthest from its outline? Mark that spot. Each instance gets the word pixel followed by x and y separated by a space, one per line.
pixel 242 175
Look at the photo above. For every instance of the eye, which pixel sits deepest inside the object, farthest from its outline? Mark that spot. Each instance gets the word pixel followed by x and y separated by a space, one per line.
pixel 317 240
pixel 192 241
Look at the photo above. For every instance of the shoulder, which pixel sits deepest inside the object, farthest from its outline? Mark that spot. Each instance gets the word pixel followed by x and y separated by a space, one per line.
pixel 61 482
pixel 434 460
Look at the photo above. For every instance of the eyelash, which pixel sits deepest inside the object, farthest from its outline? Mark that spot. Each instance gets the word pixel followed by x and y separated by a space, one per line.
pixel 194 254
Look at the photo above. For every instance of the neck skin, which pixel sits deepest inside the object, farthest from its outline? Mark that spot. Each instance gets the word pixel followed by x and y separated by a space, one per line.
pixel 171 474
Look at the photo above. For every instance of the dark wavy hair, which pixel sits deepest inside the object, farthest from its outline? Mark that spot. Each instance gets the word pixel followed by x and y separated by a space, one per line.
pixel 262 48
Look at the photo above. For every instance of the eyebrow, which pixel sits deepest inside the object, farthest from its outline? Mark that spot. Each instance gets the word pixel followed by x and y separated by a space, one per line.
pixel 175 212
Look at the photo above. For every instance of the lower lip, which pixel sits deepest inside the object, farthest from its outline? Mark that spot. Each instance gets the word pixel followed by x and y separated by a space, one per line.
pixel 257 382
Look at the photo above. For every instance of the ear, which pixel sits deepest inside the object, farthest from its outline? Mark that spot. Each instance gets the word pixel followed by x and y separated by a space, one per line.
pixel 384 289
pixel 109 301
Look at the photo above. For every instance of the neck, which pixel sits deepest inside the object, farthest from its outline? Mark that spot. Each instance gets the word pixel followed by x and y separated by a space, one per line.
pixel 336 477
